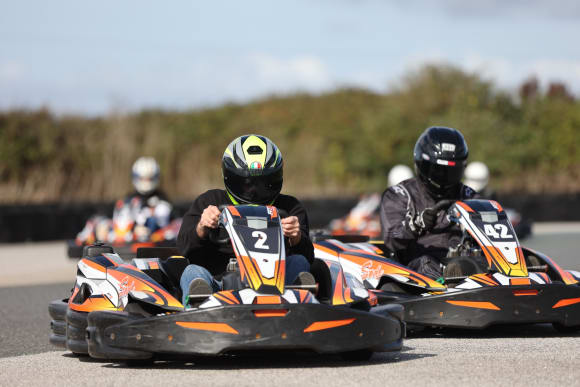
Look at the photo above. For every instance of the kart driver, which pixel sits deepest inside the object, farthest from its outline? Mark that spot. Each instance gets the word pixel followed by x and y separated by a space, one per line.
pixel 252 171
pixel 149 206
pixel 414 228
pixel 145 210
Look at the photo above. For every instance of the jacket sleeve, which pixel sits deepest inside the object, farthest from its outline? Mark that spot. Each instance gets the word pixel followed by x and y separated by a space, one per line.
pixel 187 239
pixel 397 210
pixel 304 247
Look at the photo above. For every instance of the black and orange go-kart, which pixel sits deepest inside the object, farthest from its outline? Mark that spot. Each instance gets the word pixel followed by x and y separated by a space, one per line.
pixel 123 311
pixel 123 235
pixel 499 281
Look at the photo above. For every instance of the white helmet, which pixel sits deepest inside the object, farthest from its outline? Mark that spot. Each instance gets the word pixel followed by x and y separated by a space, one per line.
pixel 145 175
pixel 476 176
pixel 399 173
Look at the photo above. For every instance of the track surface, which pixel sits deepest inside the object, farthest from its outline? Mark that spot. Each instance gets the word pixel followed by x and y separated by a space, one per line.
pixel 531 355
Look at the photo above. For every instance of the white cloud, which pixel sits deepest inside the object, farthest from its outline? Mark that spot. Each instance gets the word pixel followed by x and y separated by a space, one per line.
pixel 510 74
pixel 302 72
pixel 505 73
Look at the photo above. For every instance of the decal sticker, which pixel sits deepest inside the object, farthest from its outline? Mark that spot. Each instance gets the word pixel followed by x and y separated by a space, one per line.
pixel 447 147
pixel 369 270
pixel 446 162
pixel 126 286
pixel 255 165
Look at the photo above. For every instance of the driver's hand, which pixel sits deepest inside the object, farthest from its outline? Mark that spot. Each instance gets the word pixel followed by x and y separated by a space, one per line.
pixel 426 220
pixel 291 229
pixel 209 220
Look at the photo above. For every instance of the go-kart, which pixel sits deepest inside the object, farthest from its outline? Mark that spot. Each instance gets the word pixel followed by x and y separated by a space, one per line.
pixel 500 281
pixel 364 219
pixel 132 226
pixel 131 312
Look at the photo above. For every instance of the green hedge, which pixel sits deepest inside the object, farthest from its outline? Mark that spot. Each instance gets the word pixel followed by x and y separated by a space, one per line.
pixel 339 143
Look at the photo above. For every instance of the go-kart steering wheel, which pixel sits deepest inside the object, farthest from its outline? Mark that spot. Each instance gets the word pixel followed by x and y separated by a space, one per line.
pixel 220 236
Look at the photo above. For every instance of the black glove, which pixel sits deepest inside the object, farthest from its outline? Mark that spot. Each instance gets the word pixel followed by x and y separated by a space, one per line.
pixel 425 220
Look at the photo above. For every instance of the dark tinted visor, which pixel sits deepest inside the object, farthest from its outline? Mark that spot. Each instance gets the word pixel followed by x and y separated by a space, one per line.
pixel 444 175
pixel 255 189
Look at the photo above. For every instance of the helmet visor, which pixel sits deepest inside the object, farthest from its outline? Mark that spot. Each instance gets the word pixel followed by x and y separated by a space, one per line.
pixel 254 189
pixel 443 176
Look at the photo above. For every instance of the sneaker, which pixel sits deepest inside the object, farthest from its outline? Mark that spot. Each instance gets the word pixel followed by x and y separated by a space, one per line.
pixel 199 290
pixel 305 278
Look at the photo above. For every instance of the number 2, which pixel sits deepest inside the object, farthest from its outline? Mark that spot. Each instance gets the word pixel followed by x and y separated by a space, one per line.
pixel 262 237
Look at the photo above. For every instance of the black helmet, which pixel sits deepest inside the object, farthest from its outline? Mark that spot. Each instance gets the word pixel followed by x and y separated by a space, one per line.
pixel 440 157
pixel 252 169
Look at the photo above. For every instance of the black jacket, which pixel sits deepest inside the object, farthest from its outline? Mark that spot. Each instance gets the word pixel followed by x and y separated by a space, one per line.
pixel 401 203
pixel 215 258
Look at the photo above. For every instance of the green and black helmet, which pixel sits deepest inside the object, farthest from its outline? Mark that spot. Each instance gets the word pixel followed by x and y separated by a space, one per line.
pixel 252 169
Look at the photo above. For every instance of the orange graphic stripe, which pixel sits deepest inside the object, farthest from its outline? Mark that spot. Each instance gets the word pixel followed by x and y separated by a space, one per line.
pixel 264 300
pixel 474 304
pixel 520 281
pixel 94 265
pixel 230 296
pixel 208 326
pixel 221 297
pixel 566 302
pixel 484 279
pixel 271 312
pixel 274 212
pixel 234 211
pixel 531 292
pixel 321 325
pixel 499 208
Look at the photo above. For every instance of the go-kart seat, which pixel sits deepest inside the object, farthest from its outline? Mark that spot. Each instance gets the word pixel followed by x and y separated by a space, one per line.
pixel 322 276
pixel 171 264
pixel 173 267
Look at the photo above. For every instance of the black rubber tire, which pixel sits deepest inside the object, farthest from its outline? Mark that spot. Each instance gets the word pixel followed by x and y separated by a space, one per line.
pixel 461 267
pixel 566 329
pixel 392 287
pixel 76 326
pixel 57 310
pixel 358 355
pixel 532 260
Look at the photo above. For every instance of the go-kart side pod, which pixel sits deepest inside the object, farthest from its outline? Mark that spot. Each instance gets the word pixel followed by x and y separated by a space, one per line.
pixel 479 308
pixel 317 327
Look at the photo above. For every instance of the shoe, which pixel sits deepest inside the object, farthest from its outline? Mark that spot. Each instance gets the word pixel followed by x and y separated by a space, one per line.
pixel 199 290
pixel 305 278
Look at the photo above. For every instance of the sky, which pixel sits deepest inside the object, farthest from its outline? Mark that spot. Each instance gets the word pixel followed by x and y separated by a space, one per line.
pixel 96 57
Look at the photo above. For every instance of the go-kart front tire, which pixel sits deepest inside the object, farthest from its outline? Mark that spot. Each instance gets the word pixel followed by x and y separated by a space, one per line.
pixel 76 326
pixel 57 310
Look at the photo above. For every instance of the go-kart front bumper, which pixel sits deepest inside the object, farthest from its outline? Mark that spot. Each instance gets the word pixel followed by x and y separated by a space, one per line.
pixel 478 308
pixel 213 331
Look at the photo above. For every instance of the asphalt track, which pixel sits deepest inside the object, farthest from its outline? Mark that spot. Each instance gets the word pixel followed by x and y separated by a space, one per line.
pixel 31 275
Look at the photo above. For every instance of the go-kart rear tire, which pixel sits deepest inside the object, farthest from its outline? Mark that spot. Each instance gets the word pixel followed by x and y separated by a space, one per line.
pixel 358 355
pixel 392 287
pixel 566 329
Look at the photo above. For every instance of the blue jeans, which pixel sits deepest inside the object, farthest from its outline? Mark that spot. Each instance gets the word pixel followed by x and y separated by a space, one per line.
pixel 295 264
